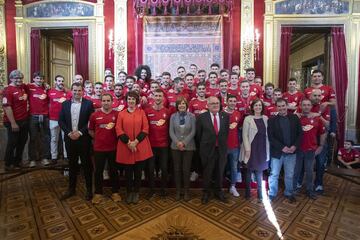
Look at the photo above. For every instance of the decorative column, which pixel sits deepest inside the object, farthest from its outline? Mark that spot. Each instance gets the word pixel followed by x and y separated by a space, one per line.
pixel 247 35
pixel 99 64
pixel 268 44
pixel 3 62
pixel 120 29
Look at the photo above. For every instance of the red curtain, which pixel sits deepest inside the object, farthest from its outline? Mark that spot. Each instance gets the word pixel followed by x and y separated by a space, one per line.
pixel 286 33
pixel 81 49
pixel 35 42
pixel 340 78
pixel 109 24
pixel 259 11
pixel 358 106
pixel 231 37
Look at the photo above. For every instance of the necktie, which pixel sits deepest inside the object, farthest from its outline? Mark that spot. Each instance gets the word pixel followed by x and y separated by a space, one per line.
pixel 216 127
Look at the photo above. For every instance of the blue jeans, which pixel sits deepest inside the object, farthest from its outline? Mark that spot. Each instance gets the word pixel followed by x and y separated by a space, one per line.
pixel 305 159
pixel 321 161
pixel 289 161
pixel 233 158
pixel 258 175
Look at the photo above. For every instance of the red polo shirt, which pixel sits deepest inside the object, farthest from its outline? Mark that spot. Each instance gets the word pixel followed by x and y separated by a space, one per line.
pixel 293 99
pixel 235 122
pixel 197 106
pixel 38 99
pixel 312 129
pixel 104 126
pixel 56 98
pixel 327 93
pixel 158 126
pixel 348 156
pixel 16 98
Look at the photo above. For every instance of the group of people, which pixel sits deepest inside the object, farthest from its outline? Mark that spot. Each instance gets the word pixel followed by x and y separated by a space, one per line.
pixel 197 123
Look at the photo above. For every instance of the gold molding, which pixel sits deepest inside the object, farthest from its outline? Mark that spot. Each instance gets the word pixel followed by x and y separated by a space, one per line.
pixel 3 58
pixel 351 23
pixel 120 29
pixel 95 25
pixel 247 27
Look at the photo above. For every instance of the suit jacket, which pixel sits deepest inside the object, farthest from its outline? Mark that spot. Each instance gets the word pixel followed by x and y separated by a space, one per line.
pixel 276 138
pixel 206 136
pixel 65 117
pixel 184 134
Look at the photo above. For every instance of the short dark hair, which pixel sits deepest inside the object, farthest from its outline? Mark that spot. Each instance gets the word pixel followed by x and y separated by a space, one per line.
pixel 179 100
pixel 122 72
pixel 230 96
pixel 253 104
pixel 201 70
pixel 234 73
pixel 88 82
pixel 278 90
pixel 130 77
pixel 110 75
pixel 222 81
pixel 57 76
pixel 317 71
pixel 159 91
pixel 118 85
pixel 193 64
pixel 133 94
pixel 281 100
pixel 180 68
pixel 224 70
pixel 269 85
pixel 250 70
pixel 292 80
pixel 350 141
pixel 76 84
pixel 38 74
pixel 98 83
pixel 107 94
pixel 177 80
pixel 215 65
pixel 201 84
pixel 212 73
pixel 189 74
pixel 166 74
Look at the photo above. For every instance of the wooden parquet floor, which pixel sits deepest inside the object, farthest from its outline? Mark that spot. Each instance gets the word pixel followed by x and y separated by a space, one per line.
pixel 31 209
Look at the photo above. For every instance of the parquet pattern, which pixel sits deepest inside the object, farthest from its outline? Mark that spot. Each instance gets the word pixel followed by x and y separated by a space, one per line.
pixel 31 209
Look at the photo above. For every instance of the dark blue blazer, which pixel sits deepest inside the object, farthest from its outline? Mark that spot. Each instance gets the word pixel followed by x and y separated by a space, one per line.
pixel 65 117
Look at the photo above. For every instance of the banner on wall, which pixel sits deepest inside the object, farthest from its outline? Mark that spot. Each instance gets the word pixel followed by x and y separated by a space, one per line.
pixel 170 42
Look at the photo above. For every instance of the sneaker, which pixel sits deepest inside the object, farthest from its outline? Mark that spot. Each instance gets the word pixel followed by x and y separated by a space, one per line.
pixel 66 173
pixel 298 185
pixel 116 197
pixel 106 175
pixel 142 175
pixel 45 162
pixel 319 188
pixel 193 176
pixel 233 191
pixel 311 196
pixel 97 199
pixel 32 164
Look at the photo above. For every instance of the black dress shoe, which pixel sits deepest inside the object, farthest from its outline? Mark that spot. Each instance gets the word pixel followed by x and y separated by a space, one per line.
pixel 222 198
pixel 205 198
pixel 162 193
pixel 150 194
pixel 88 196
pixel 129 197
pixel 135 197
pixel 67 194
pixel 291 199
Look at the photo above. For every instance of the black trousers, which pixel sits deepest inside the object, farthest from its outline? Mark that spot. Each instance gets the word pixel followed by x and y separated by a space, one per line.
pixel 161 156
pixel 133 176
pixel 79 149
pixel 39 131
pixel 100 159
pixel 182 166
pixel 213 170
pixel 16 142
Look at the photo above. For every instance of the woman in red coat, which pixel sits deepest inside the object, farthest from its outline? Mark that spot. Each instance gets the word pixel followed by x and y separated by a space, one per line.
pixel 133 147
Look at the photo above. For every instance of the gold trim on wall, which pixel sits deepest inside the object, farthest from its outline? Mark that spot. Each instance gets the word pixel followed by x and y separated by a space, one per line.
pixel 120 29
pixel 95 25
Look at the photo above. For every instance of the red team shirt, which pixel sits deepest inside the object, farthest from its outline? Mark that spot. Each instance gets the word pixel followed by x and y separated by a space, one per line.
pixel 236 92
pixel 293 99
pixel 16 98
pixel 271 111
pixel 327 93
pixel 105 134
pixel 348 156
pixel 96 103
pixel 312 128
pixel 212 92
pixel 256 90
pixel 38 99
pixel 235 122
pixel 158 126
pixel 56 98
pixel 197 106
pixel 243 104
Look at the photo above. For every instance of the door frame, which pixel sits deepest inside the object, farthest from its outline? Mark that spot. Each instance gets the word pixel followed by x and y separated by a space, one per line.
pixel 95 25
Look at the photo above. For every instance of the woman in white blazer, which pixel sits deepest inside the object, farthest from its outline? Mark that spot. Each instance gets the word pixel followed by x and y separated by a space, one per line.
pixel 255 147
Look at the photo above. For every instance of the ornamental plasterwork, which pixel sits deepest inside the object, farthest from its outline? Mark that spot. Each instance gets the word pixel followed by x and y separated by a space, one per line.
pixel 310 7
pixel 120 28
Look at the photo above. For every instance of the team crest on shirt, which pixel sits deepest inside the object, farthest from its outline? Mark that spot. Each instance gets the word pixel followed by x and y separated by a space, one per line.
pixel 252 94
pixel 160 122
pixel 23 97
pixel 61 100
pixel 307 128
pixel 4 100
pixel 233 125
pixel 110 125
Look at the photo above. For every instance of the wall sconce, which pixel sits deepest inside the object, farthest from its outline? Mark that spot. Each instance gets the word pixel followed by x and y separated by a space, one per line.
pixel 111 43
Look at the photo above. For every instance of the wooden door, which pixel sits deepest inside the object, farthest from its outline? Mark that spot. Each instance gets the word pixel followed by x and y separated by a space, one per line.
pixel 61 60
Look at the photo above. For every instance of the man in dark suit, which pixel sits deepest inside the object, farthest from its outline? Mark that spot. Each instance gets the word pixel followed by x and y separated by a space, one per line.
pixel 284 131
pixel 212 129
pixel 73 120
